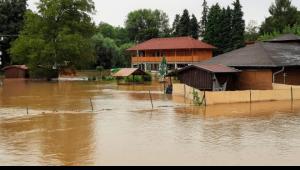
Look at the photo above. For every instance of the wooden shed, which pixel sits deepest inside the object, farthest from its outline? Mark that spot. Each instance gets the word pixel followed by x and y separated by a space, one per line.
pixel 208 77
pixel 16 72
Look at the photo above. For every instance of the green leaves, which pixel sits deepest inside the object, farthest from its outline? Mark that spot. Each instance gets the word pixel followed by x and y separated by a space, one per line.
pixel 283 14
pixel 60 32
pixel 146 24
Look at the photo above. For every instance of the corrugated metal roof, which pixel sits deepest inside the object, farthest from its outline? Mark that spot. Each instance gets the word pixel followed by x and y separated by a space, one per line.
pixel 125 72
pixel 172 43
pixel 23 67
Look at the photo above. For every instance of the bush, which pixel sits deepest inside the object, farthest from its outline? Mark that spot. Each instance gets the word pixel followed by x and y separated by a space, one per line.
pixel 43 73
pixel 109 78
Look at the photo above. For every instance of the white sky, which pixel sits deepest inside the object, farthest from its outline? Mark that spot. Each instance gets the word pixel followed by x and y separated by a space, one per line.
pixel 114 12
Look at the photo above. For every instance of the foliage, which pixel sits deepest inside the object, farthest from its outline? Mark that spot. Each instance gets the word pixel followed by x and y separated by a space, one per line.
pixel 175 27
pixel 283 14
pixel 145 24
pixel 252 31
pixel 287 30
pixel 203 21
pixel 11 21
pixel 194 27
pixel 225 28
pixel 196 98
pixel 185 24
pixel 60 32
pixel 238 26
pixel 163 69
pixel 214 28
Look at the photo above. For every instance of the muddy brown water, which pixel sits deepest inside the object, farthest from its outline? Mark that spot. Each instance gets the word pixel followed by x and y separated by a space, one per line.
pixel 60 128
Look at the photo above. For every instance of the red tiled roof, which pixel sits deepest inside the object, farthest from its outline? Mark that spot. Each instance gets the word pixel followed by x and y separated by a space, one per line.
pixel 172 43
pixel 125 72
pixel 23 67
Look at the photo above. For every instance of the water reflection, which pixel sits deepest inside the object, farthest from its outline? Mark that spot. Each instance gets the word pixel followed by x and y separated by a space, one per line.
pixel 124 130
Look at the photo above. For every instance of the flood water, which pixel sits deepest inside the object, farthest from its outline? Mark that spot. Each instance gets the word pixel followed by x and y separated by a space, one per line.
pixel 61 129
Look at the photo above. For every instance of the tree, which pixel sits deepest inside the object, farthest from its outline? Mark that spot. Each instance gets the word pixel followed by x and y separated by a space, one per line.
pixel 146 24
pixel 212 35
pixel 185 24
pixel 11 20
pixel 226 31
pixel 175 27
pixel 283 14
pixel 194 27
pixel 163 68
pixel 238 26
pixel 107 30
pixel 252 31
pixel 60 32
pixel 203 21
pixel 107 52
pixel 125 55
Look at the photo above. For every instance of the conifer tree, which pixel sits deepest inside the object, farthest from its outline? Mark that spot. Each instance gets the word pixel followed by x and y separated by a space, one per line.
pixel 194 27
pixel 238 26
pixel 203 22
pixel 185 24
pixel 175 28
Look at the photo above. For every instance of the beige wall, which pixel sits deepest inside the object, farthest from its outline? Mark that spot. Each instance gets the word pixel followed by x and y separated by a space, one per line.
pixel 280 93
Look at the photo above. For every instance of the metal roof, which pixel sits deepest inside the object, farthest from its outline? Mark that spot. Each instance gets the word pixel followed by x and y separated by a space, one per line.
pixel 125 72
pixel 172 43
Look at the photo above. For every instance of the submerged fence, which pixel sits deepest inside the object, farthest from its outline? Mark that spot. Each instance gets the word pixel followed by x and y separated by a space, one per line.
pixel 279 93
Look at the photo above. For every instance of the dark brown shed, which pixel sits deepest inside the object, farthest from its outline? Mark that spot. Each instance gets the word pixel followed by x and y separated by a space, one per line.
pixel 16 72
pixel 210 77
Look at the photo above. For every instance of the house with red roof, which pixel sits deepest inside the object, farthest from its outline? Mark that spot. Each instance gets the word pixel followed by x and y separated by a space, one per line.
pixel 179 52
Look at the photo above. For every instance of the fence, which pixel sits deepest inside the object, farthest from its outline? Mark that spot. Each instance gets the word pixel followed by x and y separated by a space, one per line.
pixel 280 93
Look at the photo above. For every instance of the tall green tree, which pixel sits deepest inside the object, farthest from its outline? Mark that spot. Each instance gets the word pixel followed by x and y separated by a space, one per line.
pixel 214 28
pixel 225 35
pixel 185 24
pixel 203 22
pixel 146 24
pixel 238 26
pixel 59 33
pixel 11 20
pixel 283 14
pixel 194 27
pixel 175 26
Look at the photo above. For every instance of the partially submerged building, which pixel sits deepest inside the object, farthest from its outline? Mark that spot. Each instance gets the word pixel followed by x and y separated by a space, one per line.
pixel 16 72
pixel 179 52
pixel 260 64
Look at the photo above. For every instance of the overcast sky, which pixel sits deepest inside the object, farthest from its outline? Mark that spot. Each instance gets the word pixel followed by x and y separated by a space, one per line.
pixel 114 12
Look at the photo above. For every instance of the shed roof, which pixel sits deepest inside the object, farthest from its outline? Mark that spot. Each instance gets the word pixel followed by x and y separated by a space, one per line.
pixel 261 54
pixel 22 67
pixel 172 43
pixel 125 72
pixel 213 68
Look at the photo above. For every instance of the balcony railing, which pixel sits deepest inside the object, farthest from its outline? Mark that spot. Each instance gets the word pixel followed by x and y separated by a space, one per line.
pixel 187 59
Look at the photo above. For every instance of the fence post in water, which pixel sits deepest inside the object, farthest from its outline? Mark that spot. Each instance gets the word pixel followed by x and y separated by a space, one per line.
pixel 91 104
pixel 27 110
pixel 151 99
